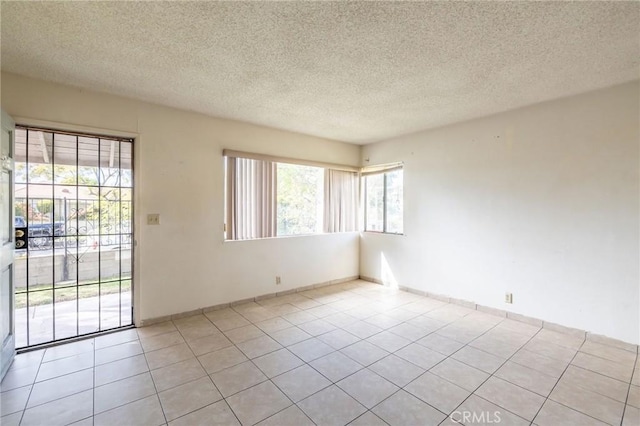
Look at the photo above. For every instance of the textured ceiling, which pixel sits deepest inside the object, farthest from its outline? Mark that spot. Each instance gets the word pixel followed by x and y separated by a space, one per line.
pixel 352 71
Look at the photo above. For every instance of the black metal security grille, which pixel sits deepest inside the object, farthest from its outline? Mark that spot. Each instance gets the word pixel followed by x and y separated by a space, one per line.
pixel 74 195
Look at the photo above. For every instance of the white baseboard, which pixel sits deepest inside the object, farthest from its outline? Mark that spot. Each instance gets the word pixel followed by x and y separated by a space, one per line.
pixel 155 320
pixel 583 334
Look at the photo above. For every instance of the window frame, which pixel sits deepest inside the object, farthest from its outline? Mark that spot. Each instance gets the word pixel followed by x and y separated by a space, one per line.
pixel 326 167
pixel 385 190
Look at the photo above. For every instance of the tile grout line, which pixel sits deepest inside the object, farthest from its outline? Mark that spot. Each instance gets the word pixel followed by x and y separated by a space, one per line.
pixel 33 385
pixel 558 381
pixel 126 403
pixel 230 367
pixel 383 329
pixel 206 375
pixel 577 366
pixel 268 379
pixel 35 382
pixel 93 381
pixel 52 378
pixel 173 363
pixel 357 319
pixel 372 413
pixel 509 359
pixel 93 378
pixel 607 360
pixel 490 375
pixel 157 395
pixel 253 386
pixel 388 354
pixel 400 388
pixel 556 384
pixel 626 401
pixel 332 383
pixel 93 390
pixel 305 363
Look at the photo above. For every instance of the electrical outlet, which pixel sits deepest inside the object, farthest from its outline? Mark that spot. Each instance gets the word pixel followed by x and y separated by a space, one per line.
pixel 153 219
pixel 278 281
pixel 508 298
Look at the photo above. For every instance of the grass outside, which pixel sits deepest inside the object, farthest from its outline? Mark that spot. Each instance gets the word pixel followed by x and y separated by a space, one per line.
pixel 43 294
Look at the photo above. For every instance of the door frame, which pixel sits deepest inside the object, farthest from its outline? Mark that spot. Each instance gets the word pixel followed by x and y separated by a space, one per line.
pixel 8 346
pixel 136 224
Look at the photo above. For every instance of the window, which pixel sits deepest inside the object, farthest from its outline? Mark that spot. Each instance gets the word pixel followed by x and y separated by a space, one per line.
pixel 270 197
pixel 300 199
pixel 383 201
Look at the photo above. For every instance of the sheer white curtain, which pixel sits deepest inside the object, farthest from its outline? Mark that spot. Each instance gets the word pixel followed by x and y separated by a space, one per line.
pixel 251 198
pixel 341 201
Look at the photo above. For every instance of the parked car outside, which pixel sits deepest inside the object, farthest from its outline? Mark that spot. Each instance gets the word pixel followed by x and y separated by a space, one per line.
pixel 19 222
pixel 40 234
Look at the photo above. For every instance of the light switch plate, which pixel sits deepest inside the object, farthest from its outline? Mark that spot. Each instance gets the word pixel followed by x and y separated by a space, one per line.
pixel 153 219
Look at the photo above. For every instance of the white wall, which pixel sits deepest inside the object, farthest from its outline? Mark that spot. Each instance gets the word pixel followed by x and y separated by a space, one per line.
pixel 183 264
pixel 541 201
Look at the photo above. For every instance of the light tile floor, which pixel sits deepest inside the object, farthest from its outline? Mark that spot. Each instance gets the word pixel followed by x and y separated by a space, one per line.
pixel 355 353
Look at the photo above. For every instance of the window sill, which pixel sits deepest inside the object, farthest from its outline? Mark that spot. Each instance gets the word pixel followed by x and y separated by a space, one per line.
pixel 291 236
pixel 384 233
